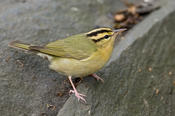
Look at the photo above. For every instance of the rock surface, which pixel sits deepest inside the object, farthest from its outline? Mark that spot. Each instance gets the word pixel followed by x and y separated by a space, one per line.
pixel 140 78
pixel 139 82
pixel 27 86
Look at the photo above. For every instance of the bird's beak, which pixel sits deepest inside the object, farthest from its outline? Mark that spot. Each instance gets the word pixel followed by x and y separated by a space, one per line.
pixel 119 30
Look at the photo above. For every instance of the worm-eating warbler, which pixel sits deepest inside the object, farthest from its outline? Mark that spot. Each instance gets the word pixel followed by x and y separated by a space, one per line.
pixel 78 55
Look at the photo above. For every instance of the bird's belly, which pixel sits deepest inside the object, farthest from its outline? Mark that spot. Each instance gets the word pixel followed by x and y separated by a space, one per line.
pixel 78 68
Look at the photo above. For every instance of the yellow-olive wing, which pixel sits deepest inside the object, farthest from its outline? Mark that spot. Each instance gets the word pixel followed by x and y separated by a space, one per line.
pixel 77 47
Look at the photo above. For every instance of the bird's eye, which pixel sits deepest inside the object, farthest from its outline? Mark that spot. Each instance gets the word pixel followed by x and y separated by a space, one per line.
pixel 106 36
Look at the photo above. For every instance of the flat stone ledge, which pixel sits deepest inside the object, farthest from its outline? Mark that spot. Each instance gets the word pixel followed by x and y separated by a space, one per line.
pixel 139 77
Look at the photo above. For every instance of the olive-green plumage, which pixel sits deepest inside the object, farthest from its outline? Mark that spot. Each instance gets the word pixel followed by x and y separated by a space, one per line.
pixel 70 47
pixel 78 55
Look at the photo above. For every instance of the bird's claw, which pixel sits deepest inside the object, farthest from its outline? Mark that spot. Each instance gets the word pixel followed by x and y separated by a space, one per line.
pixel 98 78
pixel 78 95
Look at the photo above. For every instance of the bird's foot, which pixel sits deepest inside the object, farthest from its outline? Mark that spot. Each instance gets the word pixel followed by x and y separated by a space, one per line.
pixel 78 95
pixel 97 77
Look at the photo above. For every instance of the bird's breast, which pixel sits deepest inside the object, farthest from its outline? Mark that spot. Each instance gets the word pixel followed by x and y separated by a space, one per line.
pixel 81 68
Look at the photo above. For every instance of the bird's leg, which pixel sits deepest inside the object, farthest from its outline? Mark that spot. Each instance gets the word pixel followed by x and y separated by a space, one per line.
pixel 97 77
pixel 78 95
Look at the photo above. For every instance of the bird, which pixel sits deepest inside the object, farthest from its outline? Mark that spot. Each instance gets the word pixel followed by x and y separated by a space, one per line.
pixel 78 55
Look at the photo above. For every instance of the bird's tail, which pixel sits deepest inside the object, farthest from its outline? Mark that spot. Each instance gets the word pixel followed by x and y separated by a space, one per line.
pixel 18 44
pixel 28 47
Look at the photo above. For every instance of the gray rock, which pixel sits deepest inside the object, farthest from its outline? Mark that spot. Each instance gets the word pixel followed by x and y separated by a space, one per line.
pixel 26 83
pixel 139 79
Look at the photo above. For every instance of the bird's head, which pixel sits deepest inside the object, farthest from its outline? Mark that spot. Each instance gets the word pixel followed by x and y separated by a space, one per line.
pixel 101 36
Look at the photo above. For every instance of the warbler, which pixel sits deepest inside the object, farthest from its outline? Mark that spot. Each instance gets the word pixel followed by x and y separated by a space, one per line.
pixel 78 55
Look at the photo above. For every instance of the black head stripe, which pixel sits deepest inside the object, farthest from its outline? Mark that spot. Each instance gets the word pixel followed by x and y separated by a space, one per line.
pixel 97 32
pixel 97 40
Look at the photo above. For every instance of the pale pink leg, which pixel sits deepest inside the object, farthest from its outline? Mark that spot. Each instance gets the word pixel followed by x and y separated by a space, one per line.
pixel 78 95
pixel 98 78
